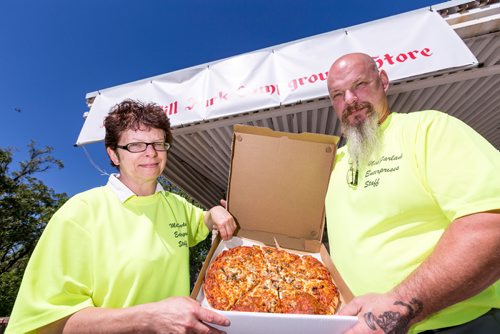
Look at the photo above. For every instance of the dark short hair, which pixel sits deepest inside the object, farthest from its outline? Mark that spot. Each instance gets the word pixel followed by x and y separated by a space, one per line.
pixel 132 115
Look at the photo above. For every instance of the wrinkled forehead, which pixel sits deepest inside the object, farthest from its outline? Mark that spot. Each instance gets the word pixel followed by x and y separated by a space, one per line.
pixel 346 72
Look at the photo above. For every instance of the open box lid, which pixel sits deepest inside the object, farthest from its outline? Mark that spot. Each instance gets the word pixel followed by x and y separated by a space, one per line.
pixel 277 185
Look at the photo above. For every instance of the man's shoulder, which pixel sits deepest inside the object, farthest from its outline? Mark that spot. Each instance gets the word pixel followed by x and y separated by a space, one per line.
pixel 423 114
pixel 422 118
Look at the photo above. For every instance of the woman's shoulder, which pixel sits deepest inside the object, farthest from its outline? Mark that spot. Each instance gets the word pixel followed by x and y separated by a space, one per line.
pixel 92 197
pixel 94 194
pixel 178 200
pixel 174 198
pixel 81 209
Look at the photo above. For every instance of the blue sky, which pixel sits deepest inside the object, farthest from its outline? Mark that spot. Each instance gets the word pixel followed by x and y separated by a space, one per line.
pixel 53 52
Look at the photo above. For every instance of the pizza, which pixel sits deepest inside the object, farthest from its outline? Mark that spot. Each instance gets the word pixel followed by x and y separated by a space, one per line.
pixel 266 279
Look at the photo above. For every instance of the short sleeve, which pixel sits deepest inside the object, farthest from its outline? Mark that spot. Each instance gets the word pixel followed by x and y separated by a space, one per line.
pixel 459 167
pixel 198 231
pixel 57 281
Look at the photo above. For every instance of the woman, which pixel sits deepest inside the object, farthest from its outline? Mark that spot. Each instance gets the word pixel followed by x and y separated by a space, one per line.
pixel 115 259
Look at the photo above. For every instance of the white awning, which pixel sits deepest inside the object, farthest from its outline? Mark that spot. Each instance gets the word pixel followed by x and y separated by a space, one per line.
pixel 406 46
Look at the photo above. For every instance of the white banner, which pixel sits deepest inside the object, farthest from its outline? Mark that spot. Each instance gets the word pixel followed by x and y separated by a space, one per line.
pixel 405 45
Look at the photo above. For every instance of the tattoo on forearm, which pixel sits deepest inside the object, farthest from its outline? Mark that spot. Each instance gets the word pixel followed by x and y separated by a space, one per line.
pixel 370 320
pixel 393 322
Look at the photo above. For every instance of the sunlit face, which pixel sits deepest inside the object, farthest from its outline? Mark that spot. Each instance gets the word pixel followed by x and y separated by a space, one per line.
pixel 357 90
pixel 136 169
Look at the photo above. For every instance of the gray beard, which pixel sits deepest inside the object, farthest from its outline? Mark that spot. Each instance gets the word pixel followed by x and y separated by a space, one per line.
pixel 362 140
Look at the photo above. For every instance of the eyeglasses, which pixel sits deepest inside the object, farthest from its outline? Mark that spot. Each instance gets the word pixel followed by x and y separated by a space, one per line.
pixel 141 147
pixel 352 176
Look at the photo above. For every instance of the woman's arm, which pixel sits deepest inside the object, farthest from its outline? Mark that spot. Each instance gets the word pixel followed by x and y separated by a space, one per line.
pixel 172 315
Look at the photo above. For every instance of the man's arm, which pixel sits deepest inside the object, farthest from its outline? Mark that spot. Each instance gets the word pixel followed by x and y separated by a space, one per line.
pixel 173 315
pixel 465 261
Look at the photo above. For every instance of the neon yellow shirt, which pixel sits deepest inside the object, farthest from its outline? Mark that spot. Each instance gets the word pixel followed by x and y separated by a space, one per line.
pixel 98 251
pixel 430 170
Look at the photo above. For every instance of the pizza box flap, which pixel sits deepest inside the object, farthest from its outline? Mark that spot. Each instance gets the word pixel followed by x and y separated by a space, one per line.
pixel 251 323
pixel 277 185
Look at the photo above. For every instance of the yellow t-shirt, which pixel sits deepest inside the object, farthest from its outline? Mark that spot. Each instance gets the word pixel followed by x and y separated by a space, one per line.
pixel 98 251
pixel 431 169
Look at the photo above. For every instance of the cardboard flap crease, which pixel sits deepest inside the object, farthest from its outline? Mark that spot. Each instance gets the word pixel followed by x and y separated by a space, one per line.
pixel 277 185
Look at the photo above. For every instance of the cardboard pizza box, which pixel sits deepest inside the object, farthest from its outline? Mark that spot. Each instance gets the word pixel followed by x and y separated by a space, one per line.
pixel 276 191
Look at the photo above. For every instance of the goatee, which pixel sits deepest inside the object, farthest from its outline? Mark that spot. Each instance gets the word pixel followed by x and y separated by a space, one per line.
pixel 362 139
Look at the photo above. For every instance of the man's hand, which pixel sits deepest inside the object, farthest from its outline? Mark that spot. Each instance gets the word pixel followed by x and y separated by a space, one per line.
pixel 220 219
pixel 382 313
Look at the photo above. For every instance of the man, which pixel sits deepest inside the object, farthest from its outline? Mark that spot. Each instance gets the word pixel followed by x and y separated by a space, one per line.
pixel 413 212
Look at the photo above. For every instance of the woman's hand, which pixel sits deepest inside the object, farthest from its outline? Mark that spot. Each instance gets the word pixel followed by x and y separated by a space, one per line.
pixel 220 219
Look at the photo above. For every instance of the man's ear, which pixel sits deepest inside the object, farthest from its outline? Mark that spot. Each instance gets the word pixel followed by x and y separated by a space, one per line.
pixel 385 79
pixel 113 156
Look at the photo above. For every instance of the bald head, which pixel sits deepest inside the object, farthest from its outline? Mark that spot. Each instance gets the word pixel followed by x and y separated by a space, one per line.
pixel 348 62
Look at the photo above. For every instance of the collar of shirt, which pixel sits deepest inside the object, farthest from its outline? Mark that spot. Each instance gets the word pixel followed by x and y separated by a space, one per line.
pixel 122 191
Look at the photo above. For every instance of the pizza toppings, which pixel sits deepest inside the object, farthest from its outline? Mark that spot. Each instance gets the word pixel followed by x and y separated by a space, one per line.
pixel 265 279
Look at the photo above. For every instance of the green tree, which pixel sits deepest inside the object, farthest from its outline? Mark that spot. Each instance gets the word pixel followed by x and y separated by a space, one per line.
pixel 26 205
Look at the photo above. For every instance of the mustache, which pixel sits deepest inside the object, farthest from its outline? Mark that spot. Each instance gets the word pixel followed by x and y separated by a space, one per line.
pixel 356 106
